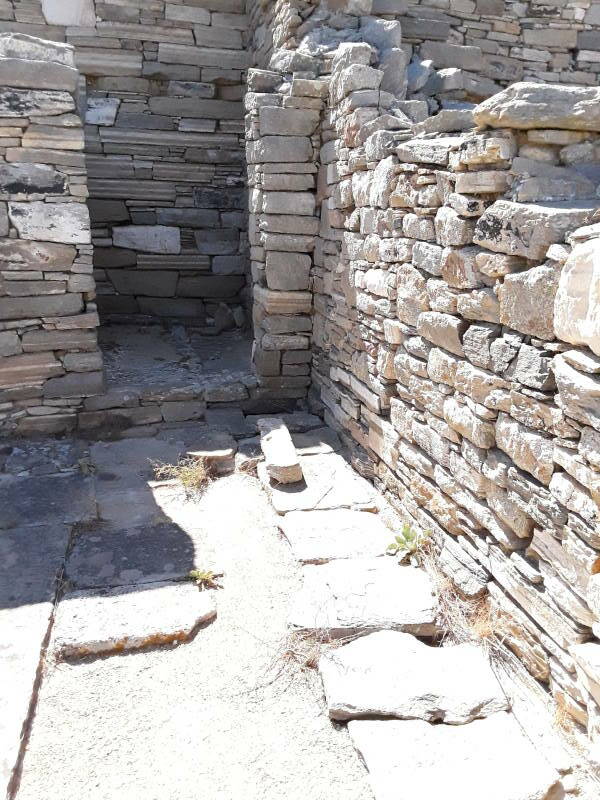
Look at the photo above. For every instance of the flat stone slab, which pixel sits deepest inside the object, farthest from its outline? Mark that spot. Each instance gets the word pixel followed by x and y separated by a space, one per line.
pixel 47 500
pixel 22 633
pixel 393 674
pixel 329 482
pixel 116 620
pixel 319 440
pixel 489 758
pixel 106 556
pixel 131 461
pixel 320 536
pixel 364 595
pixel 30 558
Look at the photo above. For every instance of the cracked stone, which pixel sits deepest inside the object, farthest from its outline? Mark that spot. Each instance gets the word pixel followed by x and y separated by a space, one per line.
pixel 118 620
pixel 393 674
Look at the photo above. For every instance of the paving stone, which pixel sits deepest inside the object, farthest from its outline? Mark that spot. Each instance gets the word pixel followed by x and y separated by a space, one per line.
pixel 329 482
pixel 281 460
pixel 413 760
pixel 363 595
pixel 318 440
pixel 393 674
pixel 131 462
pixel 22 633
pixel 105 556
pixel 320 536
pixel 129 618
pixel 47 500
pixel 30 560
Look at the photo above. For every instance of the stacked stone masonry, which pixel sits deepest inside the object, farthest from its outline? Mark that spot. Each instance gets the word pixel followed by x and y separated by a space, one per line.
pixel 164 149
pixel 49 356
pixel 424 247
pixel 456 339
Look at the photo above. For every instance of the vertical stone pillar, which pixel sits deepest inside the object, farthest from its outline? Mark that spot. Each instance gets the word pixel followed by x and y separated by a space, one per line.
pixel 282 120
pixel 49 357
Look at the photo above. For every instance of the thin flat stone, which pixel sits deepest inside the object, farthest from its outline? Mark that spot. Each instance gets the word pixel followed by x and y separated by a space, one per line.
pixel 364 595
pixel 320 536
pixel 47 500
pixel 329 482
pixel 320 440
pixel 393 674
pixel 116 620
pixel 119 556
pixel 22 634
pixel 30 558
pixel 489 758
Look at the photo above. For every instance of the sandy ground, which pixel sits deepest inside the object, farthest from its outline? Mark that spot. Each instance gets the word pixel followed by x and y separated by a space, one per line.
pixel 223 717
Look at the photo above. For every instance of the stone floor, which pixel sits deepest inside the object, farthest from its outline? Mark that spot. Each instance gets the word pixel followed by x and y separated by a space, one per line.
pixel 171 354
pixel 128 681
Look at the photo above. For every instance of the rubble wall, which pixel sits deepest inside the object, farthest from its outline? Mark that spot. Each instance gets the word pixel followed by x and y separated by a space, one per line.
pixel 49 357
pixel 164 148
pixel 500 40
pixel 456 345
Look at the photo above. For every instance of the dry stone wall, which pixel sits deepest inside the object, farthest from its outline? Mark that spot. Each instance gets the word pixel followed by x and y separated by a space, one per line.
pixel 49 357
pixel 164 147
pixel 454 272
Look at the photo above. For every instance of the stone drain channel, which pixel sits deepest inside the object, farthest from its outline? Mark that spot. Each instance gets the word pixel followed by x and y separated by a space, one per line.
pixel 130 649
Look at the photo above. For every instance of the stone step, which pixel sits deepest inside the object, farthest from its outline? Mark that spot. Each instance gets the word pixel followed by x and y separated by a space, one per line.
pixel 489 758
pixel 393 674
pixel 320 536
pixel 352 596
pixel 329 482
pixel 129 618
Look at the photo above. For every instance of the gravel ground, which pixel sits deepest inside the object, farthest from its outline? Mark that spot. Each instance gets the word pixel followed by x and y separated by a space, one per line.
pixel 226 716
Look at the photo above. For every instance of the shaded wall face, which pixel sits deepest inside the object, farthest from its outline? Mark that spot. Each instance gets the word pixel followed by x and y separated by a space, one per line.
pixel 164 150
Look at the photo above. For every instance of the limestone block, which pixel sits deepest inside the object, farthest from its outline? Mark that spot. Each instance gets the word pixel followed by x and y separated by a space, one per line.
pixel 353 79
pixel 37 74
pixel 301 203
pixel 383 34
pixel 148 238
pixel 464 421
pixel 411 295
pixel 527 301
pixel 527 230
pixel 577 301
pixel 102 110
pixel 34 103
pixel 578 392
pixel 67 223
pixel 533 105
pixel 275 121
pixel 428 257
pixel 482 182
pixel 28 369
pixel 393 674
pixel 361 595
pixel 413 759
pixel 279 149
pixel 529 450
pixel 75 13
pixel 428 151
pixel 287 271
pixel 452 229
pixel 29 179
pixel 443 330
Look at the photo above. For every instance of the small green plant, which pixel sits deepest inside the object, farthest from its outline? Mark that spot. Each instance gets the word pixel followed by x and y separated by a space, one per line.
pixel 408 543
pixel 204 579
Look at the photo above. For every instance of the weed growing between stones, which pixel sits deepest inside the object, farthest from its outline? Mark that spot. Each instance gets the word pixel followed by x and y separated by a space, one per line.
pixel 409 545
pixel 193 472
pixel 204 579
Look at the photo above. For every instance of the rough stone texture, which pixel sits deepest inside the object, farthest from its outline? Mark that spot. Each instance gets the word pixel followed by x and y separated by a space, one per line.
pixel 393 674
pixel 415 759
pixel 532 105
pixel 363 595
pixel 129 618
pixel 576 306
pixel 320 536
pixel 281 459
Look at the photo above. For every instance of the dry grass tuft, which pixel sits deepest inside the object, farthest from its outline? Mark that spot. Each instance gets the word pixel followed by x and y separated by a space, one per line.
pixel 463 619
pixel 204 579
pixel 193 472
